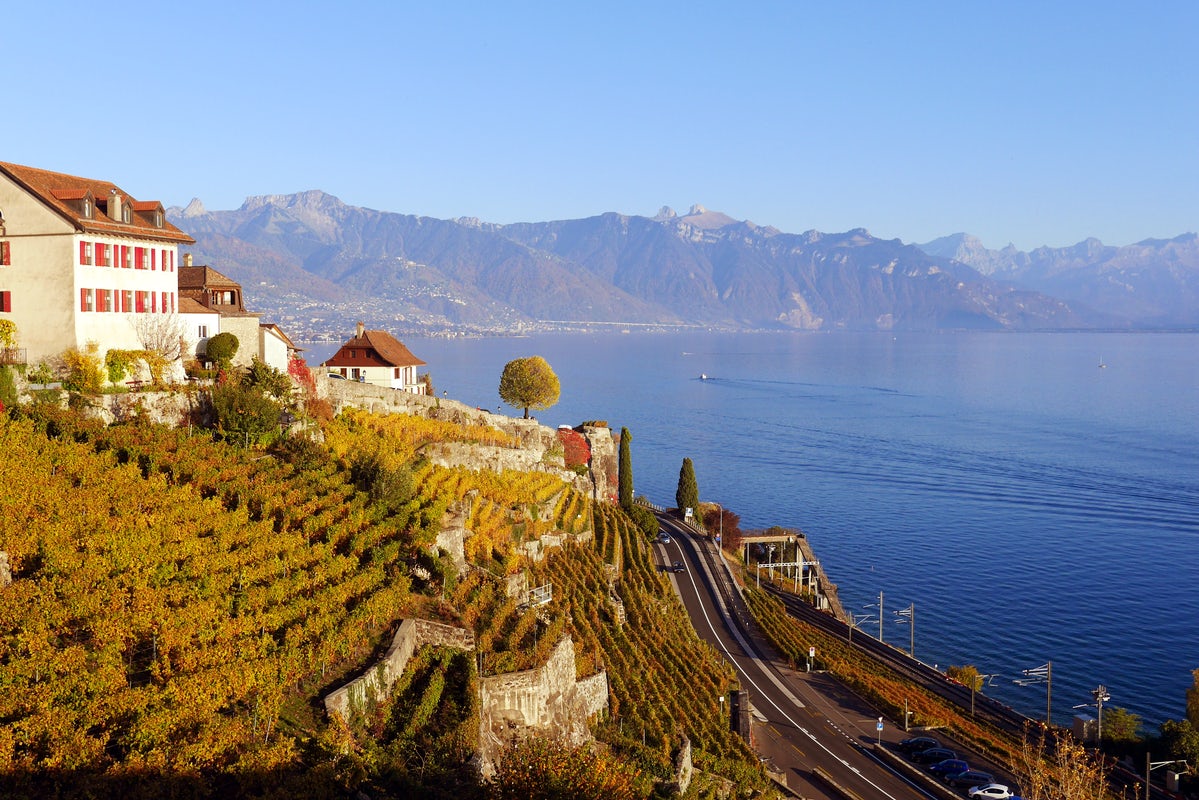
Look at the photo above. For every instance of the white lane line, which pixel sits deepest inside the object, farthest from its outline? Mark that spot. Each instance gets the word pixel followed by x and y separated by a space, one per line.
pixel 750 681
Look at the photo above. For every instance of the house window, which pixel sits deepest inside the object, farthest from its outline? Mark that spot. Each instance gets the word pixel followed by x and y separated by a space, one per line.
pixel 397 375
pixel 139 258
pixel 102 254
pixel 164 303
pixel 140 308
pixel 104 300
pixel 87 208
pixel 202 331
pixel 85 253
pixel 127 301
pixel 157 219
pixel 5 301
pixel 126 257
pixel 126 213
pixel 86 300
pixel 5 255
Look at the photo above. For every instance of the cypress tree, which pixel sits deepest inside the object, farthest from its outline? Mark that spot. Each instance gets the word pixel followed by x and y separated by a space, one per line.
pixel 687 495
pixel 626 470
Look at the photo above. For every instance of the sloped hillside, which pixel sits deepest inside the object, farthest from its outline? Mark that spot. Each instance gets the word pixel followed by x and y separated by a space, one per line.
pixel 180 606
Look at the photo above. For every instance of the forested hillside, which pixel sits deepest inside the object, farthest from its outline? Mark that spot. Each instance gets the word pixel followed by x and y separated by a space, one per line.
pixel 180 606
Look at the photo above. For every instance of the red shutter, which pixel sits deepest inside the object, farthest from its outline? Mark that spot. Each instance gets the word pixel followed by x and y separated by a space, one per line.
pixel 82 252
pixel 83 299
pixel 5 301
pixel 153 258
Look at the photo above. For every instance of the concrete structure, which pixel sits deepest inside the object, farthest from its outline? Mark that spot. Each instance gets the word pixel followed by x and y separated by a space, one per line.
pixel 377 358
pixel 82 261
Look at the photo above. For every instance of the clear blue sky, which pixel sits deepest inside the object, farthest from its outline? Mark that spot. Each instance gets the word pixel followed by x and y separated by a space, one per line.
pixel 1032 123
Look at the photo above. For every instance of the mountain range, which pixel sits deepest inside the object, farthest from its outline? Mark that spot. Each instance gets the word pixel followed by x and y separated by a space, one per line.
pixel 318 265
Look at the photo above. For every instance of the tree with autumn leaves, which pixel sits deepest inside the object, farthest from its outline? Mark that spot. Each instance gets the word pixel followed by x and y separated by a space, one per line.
pixel 529 383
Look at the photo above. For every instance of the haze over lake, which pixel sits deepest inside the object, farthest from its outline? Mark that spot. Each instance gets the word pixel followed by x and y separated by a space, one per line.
pixel 1033 505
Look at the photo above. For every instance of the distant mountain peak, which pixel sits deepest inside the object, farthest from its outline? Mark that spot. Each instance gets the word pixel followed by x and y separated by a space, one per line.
pixel 313 200
pixel 194 209
pixel 700 217
pixel 664 213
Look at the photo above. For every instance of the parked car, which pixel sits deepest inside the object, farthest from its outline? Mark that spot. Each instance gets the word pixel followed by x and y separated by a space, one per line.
pixel 995 791
pixel 918 743
pixel 933 755
pixel 970 777
pixel 949 766
pixel 337 376
pixel 677 567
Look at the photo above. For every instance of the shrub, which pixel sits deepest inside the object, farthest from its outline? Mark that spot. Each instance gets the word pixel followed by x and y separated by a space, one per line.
pixel 222 348
pixel 245 414
pixel 576 451
pixel 268 379
pixel 8 387
pixel 82 368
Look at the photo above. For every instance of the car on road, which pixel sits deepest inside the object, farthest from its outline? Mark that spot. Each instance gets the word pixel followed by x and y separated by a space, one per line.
pixel 992 791
pixel 933 755
pixel 949 766
pixel 970 777
pixel 677 567
pixel 664 537
pixel 918 743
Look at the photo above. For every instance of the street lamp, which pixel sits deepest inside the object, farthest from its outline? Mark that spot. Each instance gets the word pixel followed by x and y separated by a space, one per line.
pixel 1036 675
pixel 907 616
pixel 1152 765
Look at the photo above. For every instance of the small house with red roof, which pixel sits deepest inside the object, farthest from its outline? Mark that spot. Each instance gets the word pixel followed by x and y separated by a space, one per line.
pixel 378 358
pixel 82 261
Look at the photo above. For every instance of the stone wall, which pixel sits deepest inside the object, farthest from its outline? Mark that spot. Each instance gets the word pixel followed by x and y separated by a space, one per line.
pixel 376 684
pixel 604 462
pixel 548 698
pixel 5 570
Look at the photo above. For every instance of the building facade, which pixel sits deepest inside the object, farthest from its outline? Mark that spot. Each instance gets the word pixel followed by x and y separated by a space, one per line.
pixel 378 358
pixel 83 261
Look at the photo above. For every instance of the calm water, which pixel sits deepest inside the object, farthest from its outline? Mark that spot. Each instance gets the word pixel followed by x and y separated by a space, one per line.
pixel 1031 505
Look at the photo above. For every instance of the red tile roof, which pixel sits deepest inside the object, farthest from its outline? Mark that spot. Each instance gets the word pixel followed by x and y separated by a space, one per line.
pixel 204 278
pixel 387 350
pixel 58 191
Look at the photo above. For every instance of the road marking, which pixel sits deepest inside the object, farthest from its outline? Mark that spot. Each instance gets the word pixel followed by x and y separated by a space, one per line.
pixel 745 676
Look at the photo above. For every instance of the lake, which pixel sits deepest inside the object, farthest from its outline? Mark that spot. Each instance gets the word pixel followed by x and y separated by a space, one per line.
pixel 1032 505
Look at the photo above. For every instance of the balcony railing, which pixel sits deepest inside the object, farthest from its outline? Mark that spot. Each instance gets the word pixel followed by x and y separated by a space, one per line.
pixel 12 355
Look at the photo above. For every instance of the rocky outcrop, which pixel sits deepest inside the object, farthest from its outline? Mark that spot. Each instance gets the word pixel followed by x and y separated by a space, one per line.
pixel 604 462
pixel 549 699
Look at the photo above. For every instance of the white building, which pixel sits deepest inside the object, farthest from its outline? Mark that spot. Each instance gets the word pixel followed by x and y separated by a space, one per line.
pixel 83 261
pixel 378 358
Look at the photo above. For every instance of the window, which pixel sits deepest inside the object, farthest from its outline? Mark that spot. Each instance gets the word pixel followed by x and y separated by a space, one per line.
pixel 140 308
pixel 103 254
pixel 5 301
pixel 139 258
pixel 85 253
pixel 104 299
pixel 87 208
pixel 397 375
pixel 127 301
pixel 85 300
pixel 157 219
pixel 5 255
pixel 164 302
pixel 126 213
pixel 126 257
pixel 202 331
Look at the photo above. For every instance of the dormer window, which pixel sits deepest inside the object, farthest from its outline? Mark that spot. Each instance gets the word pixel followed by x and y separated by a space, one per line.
pixel 126 213
pixel 157 219
pixel 87 208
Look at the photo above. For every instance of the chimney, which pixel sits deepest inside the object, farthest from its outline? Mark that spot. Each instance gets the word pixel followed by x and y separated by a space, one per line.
pixel 361 330
pixel 187 259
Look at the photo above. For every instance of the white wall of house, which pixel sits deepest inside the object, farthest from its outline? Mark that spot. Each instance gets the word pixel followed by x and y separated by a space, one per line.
pixel 197 330
pixel 245 328
pixel 152 288
pixel 271 349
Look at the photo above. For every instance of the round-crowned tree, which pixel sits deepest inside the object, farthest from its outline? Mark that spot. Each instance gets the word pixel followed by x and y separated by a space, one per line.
pixel 222 348
pixel 529 383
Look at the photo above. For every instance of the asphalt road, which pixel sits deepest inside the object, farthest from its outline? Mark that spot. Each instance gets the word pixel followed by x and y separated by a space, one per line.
pixel 802 721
